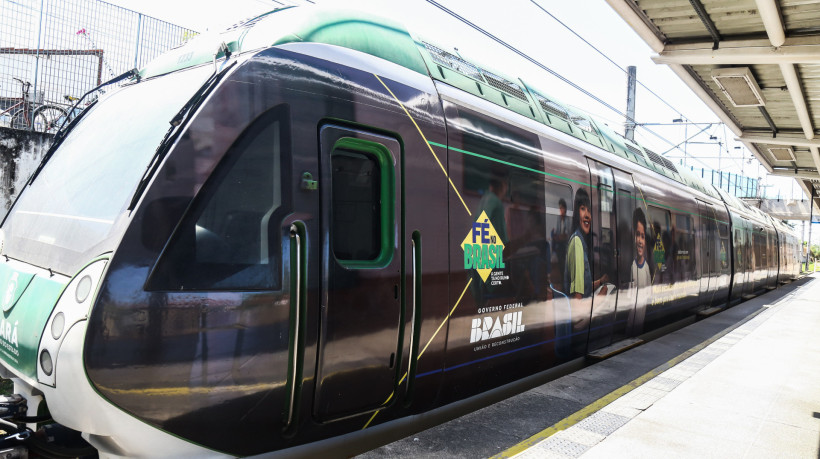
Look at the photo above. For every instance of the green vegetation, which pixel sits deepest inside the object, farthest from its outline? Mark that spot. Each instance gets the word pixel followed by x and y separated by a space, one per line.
pixel 814 258
pixel 6 387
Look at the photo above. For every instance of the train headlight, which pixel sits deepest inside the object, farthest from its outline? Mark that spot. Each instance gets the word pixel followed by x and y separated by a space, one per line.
pixel 72 307
pixel 58 325
pixel 83 289
pixel 46 364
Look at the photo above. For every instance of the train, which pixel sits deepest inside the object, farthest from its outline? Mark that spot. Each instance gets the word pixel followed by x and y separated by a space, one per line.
pixel 317 231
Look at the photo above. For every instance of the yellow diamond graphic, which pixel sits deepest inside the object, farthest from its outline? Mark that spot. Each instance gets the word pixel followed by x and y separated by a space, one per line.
pixel 659 252
pixel 483 249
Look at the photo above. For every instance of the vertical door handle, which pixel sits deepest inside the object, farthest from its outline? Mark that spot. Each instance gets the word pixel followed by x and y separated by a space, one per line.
pixel 297 306
pixel 415 315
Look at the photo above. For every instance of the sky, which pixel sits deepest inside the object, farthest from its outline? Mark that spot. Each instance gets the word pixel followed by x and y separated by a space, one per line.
pixel 532 27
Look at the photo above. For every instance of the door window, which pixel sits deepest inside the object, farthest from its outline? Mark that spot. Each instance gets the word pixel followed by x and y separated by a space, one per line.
pixel 362 202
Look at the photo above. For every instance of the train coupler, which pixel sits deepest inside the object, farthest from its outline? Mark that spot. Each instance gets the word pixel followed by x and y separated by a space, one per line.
pixel 13 443
pixel 12 406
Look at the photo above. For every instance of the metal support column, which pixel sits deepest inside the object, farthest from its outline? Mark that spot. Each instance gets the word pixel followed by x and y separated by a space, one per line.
pixel 629 126
pixel 811 217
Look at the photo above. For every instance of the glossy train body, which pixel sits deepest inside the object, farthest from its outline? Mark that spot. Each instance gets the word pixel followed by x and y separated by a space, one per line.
pixel 345 233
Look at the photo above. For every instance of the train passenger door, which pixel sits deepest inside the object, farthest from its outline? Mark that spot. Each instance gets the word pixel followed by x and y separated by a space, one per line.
pixel 738 249
pixel 631 250
pixel 743 255
pixel 708 226
pixel 771 249
pixel 605 256
pixel 361 291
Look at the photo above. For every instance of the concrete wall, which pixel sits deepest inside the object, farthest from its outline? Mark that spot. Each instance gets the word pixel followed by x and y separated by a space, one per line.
pixel 20 154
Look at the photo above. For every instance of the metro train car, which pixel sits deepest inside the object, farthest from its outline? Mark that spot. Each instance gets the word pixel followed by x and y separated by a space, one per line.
pixel 317 231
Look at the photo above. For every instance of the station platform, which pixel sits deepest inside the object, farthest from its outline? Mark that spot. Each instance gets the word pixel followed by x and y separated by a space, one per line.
pixel 740 383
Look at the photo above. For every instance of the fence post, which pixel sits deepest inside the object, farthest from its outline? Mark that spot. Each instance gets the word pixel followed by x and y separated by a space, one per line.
pixel 137 48
pixel 33 96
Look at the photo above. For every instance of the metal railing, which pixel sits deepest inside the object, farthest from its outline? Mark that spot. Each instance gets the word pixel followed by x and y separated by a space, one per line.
pixel 67 47
pixel 735 184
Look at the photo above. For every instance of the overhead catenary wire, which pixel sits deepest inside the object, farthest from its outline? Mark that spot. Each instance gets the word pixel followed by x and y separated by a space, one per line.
pixel 524 55
pixel 572 31
pixel 665 102
pixel 544 67
pixel 694 158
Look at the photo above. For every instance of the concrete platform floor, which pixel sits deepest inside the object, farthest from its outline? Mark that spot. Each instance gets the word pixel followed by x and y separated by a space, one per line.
pixel 744 383
pixel 754 393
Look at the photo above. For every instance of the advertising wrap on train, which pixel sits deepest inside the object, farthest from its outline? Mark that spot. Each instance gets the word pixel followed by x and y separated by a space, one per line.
pixel 27 302
pixel 483 248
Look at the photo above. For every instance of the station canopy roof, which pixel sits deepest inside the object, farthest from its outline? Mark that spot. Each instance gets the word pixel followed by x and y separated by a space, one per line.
pixel 755 63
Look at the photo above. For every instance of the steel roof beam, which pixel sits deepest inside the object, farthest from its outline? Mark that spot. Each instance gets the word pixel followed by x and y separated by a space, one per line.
pixel 707 21
pixel 815 155
pixel 778 49
pixel 706 97
pixel 743 42
pixel 800 174
pixel 773 23
pixel 768 119
pixel 780 140
pixel 630 12
pixel 758 155
pixel 796 92
pixel 805 187
pixel 738 55
pixel 718 110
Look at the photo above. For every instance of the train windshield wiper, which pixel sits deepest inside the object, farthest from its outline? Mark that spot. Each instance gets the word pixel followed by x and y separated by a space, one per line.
pixel 62 131
pixel 177 124
pixel 133 73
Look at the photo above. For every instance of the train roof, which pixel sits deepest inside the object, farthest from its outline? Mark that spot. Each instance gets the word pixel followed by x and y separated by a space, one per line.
pixel 391 41
pixel 785 228
pixel 347 28
pixel 743 208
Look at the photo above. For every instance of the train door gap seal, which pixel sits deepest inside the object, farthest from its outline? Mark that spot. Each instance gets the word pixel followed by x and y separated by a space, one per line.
pixel 614 349
pixel 708 312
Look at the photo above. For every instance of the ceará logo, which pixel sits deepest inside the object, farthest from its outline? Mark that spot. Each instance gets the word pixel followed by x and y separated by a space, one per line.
pixel 11 289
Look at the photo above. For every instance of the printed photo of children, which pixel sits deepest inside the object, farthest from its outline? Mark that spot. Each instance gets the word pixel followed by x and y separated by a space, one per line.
pixel 640 277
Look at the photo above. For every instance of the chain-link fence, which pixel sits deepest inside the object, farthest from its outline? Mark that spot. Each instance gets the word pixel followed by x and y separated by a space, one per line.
pixel 55 50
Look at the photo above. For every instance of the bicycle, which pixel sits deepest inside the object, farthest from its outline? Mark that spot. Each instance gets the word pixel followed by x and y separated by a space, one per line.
pixel 27 114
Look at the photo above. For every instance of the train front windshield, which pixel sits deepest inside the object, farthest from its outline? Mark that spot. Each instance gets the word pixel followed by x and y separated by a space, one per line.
pixel 69 214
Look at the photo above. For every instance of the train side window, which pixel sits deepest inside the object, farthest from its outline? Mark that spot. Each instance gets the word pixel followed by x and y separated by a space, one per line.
pixel 229 239
pixel 723 230
pixel 362 202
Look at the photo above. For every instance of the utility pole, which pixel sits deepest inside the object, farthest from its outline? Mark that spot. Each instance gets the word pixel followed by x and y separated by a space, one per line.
pixel 629 126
